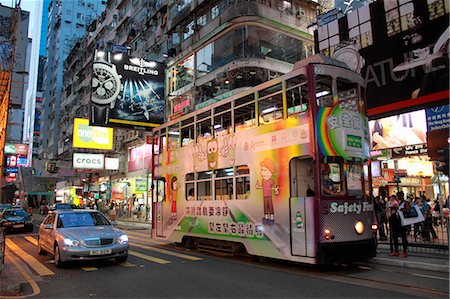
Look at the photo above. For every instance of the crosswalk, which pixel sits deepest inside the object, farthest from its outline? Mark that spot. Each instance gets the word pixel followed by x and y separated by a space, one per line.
pixel 142 247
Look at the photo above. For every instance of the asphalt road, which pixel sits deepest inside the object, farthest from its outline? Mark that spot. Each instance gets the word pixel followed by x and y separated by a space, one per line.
pixel 165 271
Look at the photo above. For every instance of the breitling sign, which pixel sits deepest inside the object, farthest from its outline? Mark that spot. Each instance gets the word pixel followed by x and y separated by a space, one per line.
pixel 126 91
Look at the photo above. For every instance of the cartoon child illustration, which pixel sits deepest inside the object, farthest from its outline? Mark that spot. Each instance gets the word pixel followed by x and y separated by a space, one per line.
pixel 173 196
pixel 267 170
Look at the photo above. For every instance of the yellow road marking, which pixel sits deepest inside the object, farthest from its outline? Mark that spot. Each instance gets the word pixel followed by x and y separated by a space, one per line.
pixel 127 265
pixel 30 260
pixel 89 269
pixel 148 258
pixel 34 285
pixel 180 255
pixel 31 240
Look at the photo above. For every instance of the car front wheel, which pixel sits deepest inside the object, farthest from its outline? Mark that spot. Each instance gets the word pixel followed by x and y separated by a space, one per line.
pixel 58 262
pixel 40 250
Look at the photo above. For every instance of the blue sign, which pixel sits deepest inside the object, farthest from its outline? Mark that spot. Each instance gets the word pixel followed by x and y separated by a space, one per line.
pixel 12 170
pixel 438 118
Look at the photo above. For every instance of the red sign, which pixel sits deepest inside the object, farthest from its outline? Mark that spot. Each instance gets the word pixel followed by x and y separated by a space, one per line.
pixel 139 157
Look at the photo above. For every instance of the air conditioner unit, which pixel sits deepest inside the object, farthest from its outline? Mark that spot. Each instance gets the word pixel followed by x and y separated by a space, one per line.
pixel 300 13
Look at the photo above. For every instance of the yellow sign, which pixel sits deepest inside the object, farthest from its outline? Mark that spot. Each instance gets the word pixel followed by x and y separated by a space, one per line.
pixel 85 136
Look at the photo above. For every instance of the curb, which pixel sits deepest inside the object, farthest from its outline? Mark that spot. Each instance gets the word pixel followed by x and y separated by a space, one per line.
pixel 410 264
pixel 9 285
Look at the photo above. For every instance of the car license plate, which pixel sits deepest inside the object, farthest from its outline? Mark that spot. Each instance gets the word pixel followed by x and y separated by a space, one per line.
pixel 18 225
pixel 100 251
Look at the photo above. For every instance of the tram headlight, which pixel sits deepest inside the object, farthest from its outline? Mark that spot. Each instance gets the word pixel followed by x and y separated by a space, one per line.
pixel 359 227
pixel 374 227
pixel 328 235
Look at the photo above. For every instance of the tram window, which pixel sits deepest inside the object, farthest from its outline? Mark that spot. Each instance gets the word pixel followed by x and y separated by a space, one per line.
pixel 204 190
pixel 224 189
pixel 270 90
pixel 225 172
pixel 296 81
pixel 188 121
pixel 187 135
pixel 163 141
pixel 190 191
pixel 190 177
pixel 174 137
pixel 297 100
pixel 243 187
pixel 222 124
pixel 222 108
pixel 331 179
pixel 204 129
pixel 348 94
pixel 203 115
pixel 270 109
pixel 159 190
pixel 354 179
pixel 204 175
pixel 244 100
pixel 324 94
pixel 242 170
pixel 244 117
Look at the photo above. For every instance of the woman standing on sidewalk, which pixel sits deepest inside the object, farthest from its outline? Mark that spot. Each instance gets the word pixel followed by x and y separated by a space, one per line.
pixel 112 212
pixel 394 224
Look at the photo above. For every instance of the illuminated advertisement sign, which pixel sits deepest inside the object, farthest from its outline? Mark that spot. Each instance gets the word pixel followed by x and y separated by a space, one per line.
pixel 126 91
pixel 88 161
pixel 16 149
pixel 85 136
pixel 111 163
pixel 139 157
pixel 399 130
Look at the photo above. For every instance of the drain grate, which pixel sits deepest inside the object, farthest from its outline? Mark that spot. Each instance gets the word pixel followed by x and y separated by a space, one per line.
pixel 54 277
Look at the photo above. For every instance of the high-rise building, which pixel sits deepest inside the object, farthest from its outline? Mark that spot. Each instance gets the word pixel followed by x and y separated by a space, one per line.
pixel 67 22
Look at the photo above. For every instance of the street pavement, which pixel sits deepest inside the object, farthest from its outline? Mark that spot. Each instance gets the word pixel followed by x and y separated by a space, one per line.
pixel 12 277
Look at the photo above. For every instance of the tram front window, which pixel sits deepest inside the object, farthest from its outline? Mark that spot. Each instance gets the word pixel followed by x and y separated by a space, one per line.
pixel 331 179
pixel 354 179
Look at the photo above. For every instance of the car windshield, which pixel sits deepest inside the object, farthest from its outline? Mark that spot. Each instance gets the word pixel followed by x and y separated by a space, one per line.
pixel 19 213
pixel 5 207
pixel 81 219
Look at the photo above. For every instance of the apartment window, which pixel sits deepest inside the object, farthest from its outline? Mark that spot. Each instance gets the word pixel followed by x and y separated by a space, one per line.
pixel 214 12
pixel 437 8
pixel 69 12
pixel 328 36
pixel 399 16
pixel 360 27
pixel 79 16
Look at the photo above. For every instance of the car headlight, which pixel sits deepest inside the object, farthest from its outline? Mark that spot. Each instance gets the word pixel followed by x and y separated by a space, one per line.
pixel 71 243
pixel 123 239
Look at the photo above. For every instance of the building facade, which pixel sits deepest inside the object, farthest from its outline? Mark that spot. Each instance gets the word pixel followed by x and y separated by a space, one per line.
pixel 67 21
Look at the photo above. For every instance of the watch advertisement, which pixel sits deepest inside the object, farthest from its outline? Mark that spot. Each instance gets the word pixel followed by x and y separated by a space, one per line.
pixel 126 91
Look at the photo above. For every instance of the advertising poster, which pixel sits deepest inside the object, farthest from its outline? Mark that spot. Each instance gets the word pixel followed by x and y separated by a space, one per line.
pixel 126 91
pixel 86 136
pixel 399 130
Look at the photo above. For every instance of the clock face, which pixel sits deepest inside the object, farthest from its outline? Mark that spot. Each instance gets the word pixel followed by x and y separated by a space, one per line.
pixel 105 83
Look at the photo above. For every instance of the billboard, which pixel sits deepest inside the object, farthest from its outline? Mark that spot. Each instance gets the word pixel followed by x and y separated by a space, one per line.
pixel 126 91
pixel 85 136
pixel 139 157
pixel 16 149
pixel 399 47
pixel 399 130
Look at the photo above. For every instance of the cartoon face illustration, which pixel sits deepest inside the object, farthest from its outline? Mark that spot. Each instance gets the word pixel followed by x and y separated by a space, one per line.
pixel 212 154
pixel 265 173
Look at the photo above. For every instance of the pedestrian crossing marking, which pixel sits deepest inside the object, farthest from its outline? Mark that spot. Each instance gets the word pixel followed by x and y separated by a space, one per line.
pixel 30 260
pixel 127 265
pixel 148 258
pixel 31 240
pixel 176 254
pixel 149 239
pixel 89 269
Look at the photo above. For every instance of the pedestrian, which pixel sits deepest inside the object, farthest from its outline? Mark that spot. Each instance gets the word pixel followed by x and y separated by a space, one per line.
pixel 380 208
pixel 405 207
pixel 394 224
pixel 428 223
pixel 112 212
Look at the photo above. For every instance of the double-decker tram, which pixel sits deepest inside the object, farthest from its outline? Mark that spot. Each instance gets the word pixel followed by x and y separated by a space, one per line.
pixel 281 170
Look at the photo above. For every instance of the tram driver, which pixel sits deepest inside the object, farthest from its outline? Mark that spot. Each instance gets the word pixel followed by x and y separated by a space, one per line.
pixel 327 183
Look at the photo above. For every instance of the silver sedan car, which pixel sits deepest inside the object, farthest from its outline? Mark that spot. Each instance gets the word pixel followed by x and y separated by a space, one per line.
pixel 72 235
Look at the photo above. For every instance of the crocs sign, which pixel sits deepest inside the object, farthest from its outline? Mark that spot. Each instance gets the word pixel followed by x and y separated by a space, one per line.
pixel 88 161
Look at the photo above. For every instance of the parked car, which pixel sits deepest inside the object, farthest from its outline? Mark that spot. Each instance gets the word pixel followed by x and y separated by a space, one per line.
pixel 16 220
pixel 62 206
pixel 5 206
pixel 72 235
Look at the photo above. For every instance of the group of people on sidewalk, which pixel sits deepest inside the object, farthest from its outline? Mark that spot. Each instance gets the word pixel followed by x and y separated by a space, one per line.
pixel 391 218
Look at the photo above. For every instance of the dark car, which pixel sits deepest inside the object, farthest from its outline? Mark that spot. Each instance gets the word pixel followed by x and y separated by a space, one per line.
pixel 16 220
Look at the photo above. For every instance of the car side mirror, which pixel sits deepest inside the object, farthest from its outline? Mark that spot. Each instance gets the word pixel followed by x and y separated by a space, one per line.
pixel 48 226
